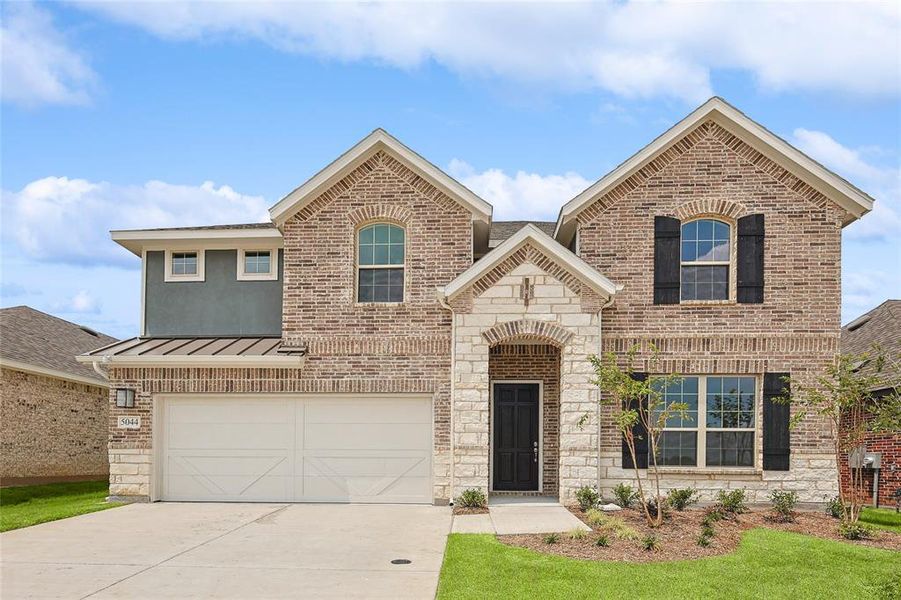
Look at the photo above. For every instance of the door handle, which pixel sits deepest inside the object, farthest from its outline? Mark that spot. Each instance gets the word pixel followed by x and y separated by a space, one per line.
pixel 535 450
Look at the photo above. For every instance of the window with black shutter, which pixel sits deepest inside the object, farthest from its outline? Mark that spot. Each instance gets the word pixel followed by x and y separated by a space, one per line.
pixel 666 260
pixel 750 259
pixel 776 420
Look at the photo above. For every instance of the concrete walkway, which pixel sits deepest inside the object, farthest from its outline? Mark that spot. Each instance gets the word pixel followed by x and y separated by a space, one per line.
pixel 181 550
pixel 513 515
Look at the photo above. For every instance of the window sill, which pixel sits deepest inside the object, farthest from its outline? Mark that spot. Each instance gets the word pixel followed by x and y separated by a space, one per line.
pixel 749 471
pixel 377 304
pixel 707 302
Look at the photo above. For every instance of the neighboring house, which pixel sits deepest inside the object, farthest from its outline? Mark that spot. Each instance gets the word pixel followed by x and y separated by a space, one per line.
pixel 878 331
pixel 382 340
pixel 54 411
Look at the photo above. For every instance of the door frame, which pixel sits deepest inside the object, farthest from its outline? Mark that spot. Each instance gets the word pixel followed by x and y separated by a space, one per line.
pixel 159 433
pixel 540 383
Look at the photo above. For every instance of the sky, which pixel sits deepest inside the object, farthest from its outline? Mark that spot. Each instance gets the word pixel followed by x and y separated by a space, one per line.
pixel 121 115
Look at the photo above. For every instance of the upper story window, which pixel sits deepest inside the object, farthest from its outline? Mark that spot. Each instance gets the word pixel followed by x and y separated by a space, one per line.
pixel 184 265
pixel 380 263
pixel 720 428
pixel 257 264
pixel 705 260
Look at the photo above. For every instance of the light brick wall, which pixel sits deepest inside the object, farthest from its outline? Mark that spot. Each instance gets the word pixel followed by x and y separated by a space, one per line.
pixel 51 428
pixel 795 330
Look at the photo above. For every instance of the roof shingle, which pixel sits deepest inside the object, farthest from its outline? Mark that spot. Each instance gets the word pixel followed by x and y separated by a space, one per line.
pixel 881 327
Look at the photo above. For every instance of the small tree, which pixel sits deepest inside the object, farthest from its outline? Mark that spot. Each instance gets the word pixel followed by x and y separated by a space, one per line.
pixel 638 402
pixel 843 396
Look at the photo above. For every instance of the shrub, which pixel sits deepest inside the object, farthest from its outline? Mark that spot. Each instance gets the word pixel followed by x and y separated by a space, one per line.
pixel 624 495
pixel 577 533
pixel 551 538
pixel 595 518
pixel 733 502
pixel 834 507
pixel 707 530
pixel 784 504
pixel 472 498
pixel 704 540
pixel 587 497
pixel 650 543
pixel 713 515
pixel 602 541
pixel 855 531
pixel 682 498
pixel 620 529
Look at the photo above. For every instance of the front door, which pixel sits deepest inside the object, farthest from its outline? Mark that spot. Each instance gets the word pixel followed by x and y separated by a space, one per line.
pixel 516 409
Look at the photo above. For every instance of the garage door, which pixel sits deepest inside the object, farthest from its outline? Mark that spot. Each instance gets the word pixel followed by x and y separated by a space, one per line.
pixel 293 449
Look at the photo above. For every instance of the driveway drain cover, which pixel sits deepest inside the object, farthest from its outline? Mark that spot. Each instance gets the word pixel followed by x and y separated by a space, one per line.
pixel 401 561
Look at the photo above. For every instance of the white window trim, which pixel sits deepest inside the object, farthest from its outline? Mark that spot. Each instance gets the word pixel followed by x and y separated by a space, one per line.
pixel 731 275
pixel 702 429
pixel 201 263
pixel 272 275
pixel 358 266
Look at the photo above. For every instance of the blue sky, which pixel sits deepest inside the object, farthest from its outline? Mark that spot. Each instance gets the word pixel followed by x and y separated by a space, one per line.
pixel 153 115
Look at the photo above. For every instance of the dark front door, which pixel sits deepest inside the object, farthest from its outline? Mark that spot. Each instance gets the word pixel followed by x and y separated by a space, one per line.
pixel 516 436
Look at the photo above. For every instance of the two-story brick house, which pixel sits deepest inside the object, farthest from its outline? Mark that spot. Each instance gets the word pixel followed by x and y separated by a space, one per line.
pixel 382 340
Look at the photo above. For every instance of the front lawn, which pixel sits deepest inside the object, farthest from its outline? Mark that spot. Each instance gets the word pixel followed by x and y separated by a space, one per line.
pixel 33 504
pixel 883 518
pixel 767 564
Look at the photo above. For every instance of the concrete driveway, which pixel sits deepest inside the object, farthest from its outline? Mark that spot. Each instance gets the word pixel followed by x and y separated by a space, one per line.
pixel 182 550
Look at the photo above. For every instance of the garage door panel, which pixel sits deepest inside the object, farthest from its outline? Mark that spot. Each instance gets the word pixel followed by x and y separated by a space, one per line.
pixel 298 449
pixel 367 411
pixel 228 436
pixel 363 436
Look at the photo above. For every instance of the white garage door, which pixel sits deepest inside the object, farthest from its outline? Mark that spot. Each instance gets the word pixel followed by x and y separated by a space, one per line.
pixel 293 449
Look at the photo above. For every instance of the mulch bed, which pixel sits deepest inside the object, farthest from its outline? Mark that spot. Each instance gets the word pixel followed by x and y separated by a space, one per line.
pixel 463 510
pixel 678 537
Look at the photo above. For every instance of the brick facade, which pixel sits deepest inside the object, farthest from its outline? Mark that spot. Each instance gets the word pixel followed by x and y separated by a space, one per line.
pixel 712 173
pixel 51 428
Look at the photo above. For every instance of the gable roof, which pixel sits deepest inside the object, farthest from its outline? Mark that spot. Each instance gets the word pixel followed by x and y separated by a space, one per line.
pixel 501 230
pixel 855 202
pixel 362 151
pixel 529 233
pixel 37 342
pixel 881 326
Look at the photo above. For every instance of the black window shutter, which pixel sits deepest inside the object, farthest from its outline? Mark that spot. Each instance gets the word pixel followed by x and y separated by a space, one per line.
pixel 750 259
pixel 776 435
pixel 641 436
pixel 667 255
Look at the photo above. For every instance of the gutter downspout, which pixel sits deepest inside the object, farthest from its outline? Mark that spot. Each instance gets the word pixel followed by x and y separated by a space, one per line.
pixel 96 366
pixel 442 300
pixel 606 304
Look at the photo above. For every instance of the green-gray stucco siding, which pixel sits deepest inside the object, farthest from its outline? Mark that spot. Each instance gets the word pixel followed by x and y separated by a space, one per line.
pixel 220 305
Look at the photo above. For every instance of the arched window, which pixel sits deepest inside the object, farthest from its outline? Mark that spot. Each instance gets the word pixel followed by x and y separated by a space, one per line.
pixel 706 256
pixel 380 263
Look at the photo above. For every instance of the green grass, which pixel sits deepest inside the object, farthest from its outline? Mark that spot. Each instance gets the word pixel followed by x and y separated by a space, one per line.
pixel 883 518
pixel 33 504
pixel 767 564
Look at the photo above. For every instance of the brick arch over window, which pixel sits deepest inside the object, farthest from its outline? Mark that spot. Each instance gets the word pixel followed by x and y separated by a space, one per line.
pixel 380 212
pixel 703 207
pixel 527 330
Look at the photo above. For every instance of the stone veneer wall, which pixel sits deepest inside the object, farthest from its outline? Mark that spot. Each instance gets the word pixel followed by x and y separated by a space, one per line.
pixel 51 428
pixel 541 362
pixel 557 300
pixel 711 173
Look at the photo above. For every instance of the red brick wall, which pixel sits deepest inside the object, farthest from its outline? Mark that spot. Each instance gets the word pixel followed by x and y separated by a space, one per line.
pixel 889 444
pixel 535 362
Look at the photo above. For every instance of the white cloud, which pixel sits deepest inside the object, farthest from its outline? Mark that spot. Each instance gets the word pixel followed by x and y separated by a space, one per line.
pixel 882 183
pixel 38 66
pixel 57 219
pixel 524 195
pixel 81 303
pixel 866 289
pixel 635 50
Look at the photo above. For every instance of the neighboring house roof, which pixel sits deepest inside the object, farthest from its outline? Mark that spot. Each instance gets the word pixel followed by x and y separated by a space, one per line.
pixel 378 140
pixel 501 230
pixel 199 350
pixel 545 243
pixel 855 202
pixel 880 327
pixel 33 341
